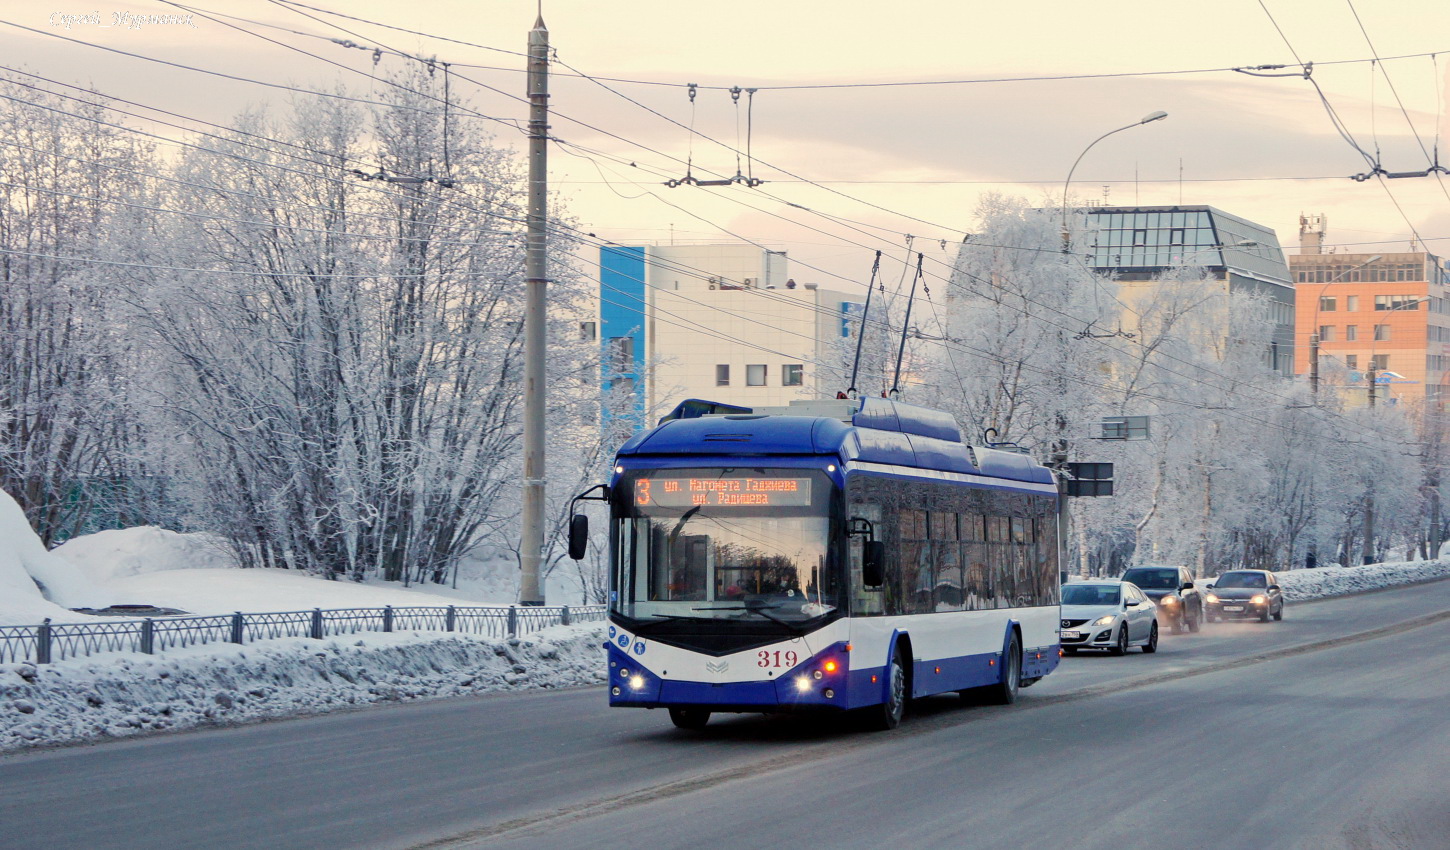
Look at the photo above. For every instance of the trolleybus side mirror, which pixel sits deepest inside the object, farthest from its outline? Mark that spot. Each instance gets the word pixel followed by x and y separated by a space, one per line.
pixel 579 523
pixel 873 563
pixel 578 536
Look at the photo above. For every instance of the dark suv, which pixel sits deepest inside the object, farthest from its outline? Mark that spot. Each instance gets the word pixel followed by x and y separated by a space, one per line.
pixel 1180 602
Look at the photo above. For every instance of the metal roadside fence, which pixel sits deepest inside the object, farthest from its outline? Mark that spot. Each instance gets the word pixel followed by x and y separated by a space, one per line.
pixel 49 642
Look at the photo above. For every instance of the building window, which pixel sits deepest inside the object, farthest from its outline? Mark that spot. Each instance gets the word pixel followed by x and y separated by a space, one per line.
pixel 1351 333
pixel 755 375
pixel 1326 305
pixel 1326 333
pixel 1140 238
pixel 587 330
pixel 621 353
pixel 1351 303
pixel 1381 333
pixel 1380 362
pixel 1396 302
pixel 1351 360
pixel 722 375
pixel 792 375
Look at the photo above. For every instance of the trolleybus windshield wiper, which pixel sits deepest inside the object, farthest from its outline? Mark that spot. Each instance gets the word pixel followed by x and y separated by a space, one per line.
pixel 758 609
pixel 669 618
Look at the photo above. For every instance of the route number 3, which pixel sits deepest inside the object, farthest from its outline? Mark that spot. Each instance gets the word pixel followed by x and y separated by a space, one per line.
pixel 776 658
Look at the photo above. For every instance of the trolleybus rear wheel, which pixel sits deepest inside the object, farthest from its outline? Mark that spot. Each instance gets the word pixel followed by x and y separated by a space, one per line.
pixel 1005 691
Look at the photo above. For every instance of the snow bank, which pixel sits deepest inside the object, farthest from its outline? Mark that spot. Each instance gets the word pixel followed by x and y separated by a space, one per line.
pixel 118 696
pixel 258 590
pixel 35 584
pixel 1301 585
pixel 108 555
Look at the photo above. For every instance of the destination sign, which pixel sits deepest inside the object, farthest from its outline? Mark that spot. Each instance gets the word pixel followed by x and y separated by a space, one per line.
pixel 723 492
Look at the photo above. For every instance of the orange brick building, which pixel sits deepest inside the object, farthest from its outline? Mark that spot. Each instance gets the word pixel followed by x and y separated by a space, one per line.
pixel 1386 309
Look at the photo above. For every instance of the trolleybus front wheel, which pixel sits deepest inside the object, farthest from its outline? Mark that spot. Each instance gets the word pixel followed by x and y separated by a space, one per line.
pixel 888 714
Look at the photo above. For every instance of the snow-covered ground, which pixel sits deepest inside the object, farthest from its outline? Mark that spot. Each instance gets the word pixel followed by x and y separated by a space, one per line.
pixel 196 573
pixel 225 591
pixel 34 583
pixel 121 695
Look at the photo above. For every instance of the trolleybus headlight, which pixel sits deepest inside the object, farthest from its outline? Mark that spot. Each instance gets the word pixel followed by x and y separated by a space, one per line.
pixel 637 683
pixel 1105 620
pixel 614 691
pixel 830 666
pixel 802 684
pixel 817 674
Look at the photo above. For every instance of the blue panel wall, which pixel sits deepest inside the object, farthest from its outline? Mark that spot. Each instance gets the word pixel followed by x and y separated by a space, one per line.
pixel 621 316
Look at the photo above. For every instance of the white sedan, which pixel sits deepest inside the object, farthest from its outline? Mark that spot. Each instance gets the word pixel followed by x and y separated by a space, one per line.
pixel 1108 614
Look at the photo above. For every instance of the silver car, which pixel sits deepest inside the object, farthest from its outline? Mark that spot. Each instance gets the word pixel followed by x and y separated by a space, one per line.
pixel 1107 614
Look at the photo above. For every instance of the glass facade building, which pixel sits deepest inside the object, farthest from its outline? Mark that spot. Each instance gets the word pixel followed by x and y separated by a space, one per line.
pixel 1141 243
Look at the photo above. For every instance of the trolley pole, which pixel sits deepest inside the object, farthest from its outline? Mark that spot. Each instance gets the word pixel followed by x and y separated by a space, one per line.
pixel 531 541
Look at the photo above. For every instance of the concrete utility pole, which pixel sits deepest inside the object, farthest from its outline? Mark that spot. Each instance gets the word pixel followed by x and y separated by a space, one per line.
pixel 1314 363
pixel 536 281
pixel 1367 550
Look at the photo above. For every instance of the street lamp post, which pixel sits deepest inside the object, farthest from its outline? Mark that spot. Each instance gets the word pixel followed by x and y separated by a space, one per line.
pixel 1061 445
pixel 1146 119
pixel 1314 325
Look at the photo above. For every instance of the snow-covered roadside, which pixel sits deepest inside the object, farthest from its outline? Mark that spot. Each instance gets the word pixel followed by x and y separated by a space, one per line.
pixel 116 696
pixel 120 695
pixel 1303 585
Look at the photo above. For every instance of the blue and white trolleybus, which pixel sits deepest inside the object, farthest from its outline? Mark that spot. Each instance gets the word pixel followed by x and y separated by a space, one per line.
pixel 830 556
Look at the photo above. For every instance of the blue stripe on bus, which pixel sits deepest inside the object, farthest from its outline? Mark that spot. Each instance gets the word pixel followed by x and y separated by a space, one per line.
pixel 852 688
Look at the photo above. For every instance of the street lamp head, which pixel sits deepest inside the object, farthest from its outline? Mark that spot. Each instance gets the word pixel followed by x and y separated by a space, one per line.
pixel 1154 116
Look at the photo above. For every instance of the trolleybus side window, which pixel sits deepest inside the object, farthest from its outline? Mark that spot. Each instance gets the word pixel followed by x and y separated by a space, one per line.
pixel 954 548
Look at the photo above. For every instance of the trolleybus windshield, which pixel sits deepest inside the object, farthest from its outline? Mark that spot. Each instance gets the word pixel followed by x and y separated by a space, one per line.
pixel 724 545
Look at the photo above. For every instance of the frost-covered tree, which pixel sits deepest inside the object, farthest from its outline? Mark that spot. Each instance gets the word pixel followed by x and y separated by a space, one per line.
pixel 344 376
pixel 70 452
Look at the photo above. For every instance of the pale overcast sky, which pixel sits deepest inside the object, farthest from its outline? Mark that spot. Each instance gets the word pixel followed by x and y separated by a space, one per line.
pixel 913 159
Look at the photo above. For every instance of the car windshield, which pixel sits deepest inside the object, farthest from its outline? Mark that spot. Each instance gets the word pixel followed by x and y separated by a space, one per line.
pixel 1089 594
pixel 1241 580
pixel 1153 579
pixel 726 545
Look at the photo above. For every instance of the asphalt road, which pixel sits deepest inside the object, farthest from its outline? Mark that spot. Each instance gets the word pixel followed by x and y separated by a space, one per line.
pixel 1245 735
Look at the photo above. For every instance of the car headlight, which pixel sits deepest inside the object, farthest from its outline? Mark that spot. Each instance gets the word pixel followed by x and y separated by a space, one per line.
pixel 1168 600
pixel 1105 621
pixel 1259 599
pixel 1212 597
